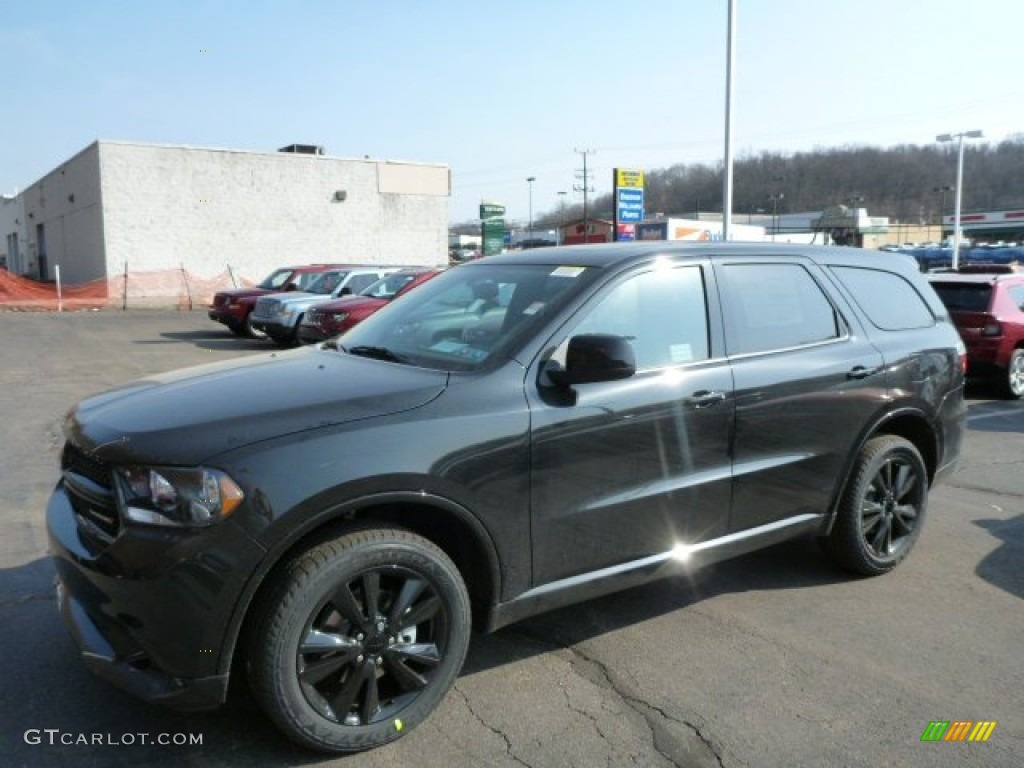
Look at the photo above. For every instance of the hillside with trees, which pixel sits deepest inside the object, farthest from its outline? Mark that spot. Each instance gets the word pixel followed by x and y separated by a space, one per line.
pixel 903 182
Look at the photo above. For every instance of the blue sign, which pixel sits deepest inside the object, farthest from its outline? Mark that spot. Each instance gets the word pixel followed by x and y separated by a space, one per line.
pixel 629 205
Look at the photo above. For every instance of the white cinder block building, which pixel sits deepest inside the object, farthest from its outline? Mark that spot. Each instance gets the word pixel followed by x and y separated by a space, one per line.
pixel 156 207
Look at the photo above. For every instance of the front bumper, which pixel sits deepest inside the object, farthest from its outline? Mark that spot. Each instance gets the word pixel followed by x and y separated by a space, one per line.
pixel 150 611
pixel 311 334
pixel 273 328
pixel 226 316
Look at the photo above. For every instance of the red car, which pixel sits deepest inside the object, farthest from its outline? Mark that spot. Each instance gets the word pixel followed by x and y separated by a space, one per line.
pixel 234 307
pixel 336 317
pixel 988 310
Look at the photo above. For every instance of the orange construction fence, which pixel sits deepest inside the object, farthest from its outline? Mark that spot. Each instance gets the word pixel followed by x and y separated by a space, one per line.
pixel 160 288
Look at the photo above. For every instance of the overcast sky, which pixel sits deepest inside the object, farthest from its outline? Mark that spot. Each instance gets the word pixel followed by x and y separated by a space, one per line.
pixel 502 91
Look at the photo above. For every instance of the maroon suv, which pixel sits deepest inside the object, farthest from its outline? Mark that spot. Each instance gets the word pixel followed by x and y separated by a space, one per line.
pixel 988 310
pixel 234 307
pixel 335 317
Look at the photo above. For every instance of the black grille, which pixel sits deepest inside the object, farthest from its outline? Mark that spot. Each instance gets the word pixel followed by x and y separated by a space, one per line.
pixel 89 486
pixel 219 300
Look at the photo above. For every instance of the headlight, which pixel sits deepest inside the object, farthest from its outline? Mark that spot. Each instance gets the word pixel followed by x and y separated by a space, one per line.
pixel 339 317
pixel 176 496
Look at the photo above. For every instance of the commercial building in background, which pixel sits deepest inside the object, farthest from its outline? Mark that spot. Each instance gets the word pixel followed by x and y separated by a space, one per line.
pixel 673 228
pixel 118 206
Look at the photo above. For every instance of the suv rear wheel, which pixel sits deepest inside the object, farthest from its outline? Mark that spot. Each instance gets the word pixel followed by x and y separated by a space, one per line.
pixel 1015 374
pixel 882 507
pixel 359 639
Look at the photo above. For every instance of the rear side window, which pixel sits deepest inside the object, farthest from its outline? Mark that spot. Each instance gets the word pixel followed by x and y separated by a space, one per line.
pixel 889 300
pixel 774 306
pixel 964 297
pixel 1017 294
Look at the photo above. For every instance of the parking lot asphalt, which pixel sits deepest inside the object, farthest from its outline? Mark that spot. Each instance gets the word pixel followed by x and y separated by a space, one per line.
pixel 773 659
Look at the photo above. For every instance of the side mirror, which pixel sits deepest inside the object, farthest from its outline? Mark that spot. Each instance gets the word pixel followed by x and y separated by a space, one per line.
pixel 595 357
pixel 346 291
pixel 291 287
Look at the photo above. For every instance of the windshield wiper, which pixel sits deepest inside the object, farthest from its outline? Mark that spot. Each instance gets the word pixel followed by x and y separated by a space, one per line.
pixel 377 353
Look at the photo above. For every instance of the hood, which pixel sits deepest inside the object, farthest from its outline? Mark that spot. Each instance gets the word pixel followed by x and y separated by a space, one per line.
pixel 185 417
pixel 239 293
pixel 293 298
pixel 351 303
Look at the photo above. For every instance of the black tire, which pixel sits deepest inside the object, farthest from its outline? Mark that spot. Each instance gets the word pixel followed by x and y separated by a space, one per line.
pixel 333 677
pixel 882 508
pixel 1013 383
pixel 251 331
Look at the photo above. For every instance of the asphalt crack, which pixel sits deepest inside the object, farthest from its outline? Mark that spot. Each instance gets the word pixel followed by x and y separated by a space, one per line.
pixel 497 731
pixel 665 743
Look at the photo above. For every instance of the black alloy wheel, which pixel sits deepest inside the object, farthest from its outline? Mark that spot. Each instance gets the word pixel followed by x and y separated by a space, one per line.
pixel 882 509
pixel 359 639
pixel 372 646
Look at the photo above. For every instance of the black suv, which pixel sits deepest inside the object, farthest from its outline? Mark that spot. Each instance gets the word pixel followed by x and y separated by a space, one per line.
pixel 520 433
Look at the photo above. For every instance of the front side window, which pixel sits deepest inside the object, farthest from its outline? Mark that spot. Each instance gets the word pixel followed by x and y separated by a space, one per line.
pixel 359 283
pixel 774 306
pixel 662 313
pixel 326 282
pixel 276 280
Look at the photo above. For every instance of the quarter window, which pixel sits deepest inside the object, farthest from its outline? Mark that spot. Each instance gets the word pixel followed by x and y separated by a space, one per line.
pixel 662 313
pixel 774 306
pixel 889 301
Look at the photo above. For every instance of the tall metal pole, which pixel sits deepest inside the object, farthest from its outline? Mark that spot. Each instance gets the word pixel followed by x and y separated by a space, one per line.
pixel 958 192
pixel 529 231
pixel 727 181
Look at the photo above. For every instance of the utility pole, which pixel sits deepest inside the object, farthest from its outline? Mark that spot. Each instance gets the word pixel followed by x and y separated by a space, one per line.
pixel 585 188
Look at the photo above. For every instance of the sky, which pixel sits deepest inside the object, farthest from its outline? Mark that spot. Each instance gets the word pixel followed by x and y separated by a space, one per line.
pixel 501 92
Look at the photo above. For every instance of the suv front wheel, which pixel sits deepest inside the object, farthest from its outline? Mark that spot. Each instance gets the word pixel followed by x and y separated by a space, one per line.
pixel 359 639
pixel 882 507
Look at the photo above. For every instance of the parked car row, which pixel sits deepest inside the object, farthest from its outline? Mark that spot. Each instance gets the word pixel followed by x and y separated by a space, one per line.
pixel 281 306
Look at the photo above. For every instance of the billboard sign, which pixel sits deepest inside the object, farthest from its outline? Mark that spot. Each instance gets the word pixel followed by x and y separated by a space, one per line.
pixel 492 228
pixel 629 200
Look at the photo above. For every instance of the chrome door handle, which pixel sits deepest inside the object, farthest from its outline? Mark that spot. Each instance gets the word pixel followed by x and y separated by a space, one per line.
pixel 705 398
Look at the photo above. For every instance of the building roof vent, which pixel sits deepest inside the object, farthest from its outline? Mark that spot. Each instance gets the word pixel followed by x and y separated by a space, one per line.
pixel 304 149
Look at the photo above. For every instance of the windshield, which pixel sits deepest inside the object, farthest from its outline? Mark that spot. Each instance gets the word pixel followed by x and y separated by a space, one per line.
pixel 468 316
pixel 387 287
pixel 275 280
pixel 326 282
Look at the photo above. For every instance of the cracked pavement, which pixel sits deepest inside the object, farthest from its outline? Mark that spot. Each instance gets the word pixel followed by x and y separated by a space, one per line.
pixel 775 659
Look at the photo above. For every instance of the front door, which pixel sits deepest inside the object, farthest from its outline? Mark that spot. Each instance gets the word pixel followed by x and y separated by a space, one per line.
pixel 628 469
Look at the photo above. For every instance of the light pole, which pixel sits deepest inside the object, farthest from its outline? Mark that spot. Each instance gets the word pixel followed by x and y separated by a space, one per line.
pixel 855 202
pixel 958 192
pixel 561 217
pixel 775 211
pixel 529 229
pixel 942 205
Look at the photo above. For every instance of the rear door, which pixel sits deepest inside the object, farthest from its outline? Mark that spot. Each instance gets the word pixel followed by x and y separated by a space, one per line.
pixel 627 469
pixel 807 381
